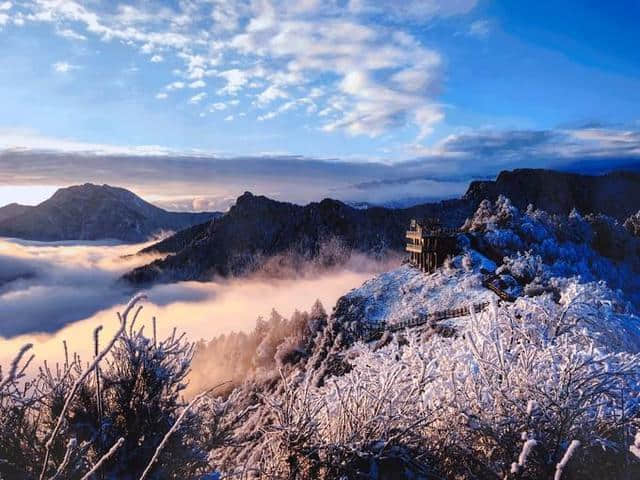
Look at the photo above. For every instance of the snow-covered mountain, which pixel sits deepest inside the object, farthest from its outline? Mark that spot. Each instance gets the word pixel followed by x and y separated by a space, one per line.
pixel 93 212
pixel 504 392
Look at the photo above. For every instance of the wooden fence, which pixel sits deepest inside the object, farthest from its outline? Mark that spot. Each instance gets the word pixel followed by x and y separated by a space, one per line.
pixel 369 333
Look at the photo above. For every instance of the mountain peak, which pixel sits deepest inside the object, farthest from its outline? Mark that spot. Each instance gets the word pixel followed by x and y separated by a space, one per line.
pixel 245 197
pixel 250 202
pixel 91 212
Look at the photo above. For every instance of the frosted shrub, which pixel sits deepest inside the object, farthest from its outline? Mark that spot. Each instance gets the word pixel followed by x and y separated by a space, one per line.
pixel 467 262
pixel 633 224
pixel 536 248
pixel 504 399
pixel 59 424
pixel 369 423
pixel 515 358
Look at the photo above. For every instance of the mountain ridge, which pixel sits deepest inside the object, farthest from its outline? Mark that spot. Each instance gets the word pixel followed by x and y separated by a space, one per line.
pixel 615 193
pixel 257 228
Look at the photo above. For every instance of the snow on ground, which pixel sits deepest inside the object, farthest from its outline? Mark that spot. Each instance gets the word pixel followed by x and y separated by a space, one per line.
pixel 407 292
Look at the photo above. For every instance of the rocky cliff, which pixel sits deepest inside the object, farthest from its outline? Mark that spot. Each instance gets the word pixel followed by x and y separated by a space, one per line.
pixel 616 194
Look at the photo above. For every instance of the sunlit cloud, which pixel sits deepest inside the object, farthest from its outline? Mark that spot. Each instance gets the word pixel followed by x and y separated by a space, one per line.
pixel 81 278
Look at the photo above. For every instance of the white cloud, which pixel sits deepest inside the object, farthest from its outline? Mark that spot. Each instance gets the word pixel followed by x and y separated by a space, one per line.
pixel 197 98
pixel 175 86
pixel 197 84
pixel 386 80
pixel 270 94
pixel 480 28
pixel 217 106
pixel 413 79
pixel 236 80
pixel 412 9
pixel 316 92
pixel 228 118
pixel 285 48
pixel 64 67
pixel 4 18
pixel 70 34
pixel 375 108
pixel 290 105
pixel 426 117
pixel 267 116
pixel 161 96
pixel 197 65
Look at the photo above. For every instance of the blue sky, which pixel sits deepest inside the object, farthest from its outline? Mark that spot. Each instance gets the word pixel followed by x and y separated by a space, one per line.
pixel 462 87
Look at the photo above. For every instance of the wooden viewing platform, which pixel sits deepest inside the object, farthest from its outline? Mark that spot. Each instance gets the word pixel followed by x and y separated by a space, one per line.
pixel 429 244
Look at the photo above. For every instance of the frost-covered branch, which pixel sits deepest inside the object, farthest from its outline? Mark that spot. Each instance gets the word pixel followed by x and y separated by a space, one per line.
pixel 103 459
pixel 82 378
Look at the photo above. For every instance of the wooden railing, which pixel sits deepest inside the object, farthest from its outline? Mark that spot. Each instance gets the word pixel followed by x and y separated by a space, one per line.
pixel 437 232
pixel 487 282
pixel 369 333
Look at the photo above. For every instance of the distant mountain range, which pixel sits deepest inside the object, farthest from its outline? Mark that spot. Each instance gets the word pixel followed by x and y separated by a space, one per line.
pixel 257 229
pixel 93 212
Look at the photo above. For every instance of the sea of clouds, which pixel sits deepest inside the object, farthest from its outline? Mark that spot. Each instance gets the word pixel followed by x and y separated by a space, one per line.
pixel 50 292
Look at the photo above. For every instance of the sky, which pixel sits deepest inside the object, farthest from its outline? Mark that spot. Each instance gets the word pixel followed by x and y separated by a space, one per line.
pixel 191 102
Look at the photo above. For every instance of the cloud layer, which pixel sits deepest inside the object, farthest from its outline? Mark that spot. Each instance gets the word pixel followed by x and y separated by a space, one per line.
pixel 45 286
pixel 196 181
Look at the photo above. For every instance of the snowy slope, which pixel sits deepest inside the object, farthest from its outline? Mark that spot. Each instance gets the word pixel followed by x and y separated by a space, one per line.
pixel 405 293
